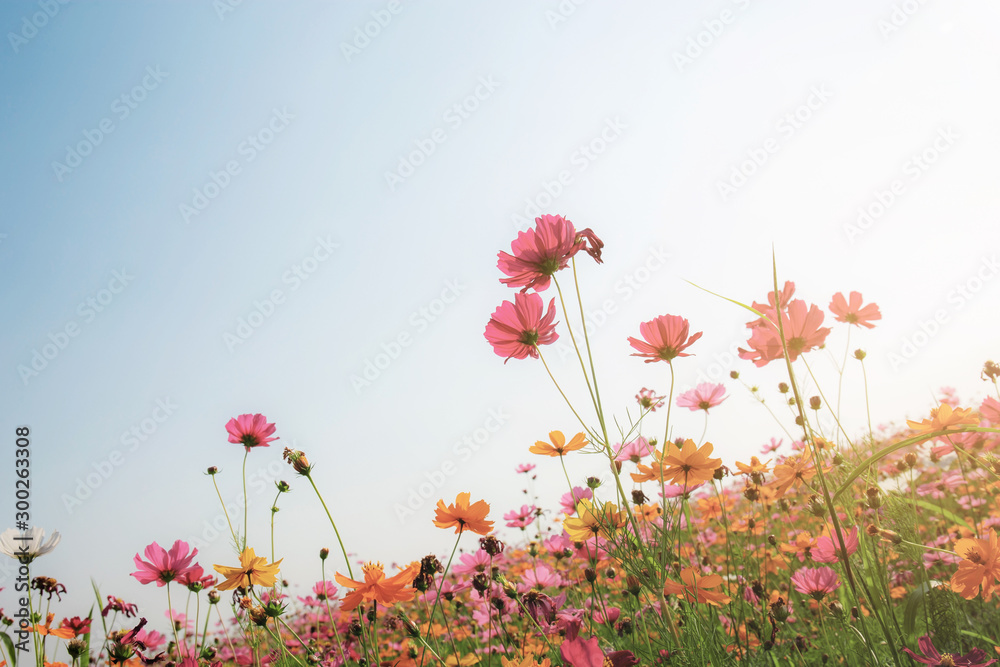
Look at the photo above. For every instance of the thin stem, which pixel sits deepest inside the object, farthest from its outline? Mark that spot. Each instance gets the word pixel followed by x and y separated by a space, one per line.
pixel 590 433
pixel 245 512
pixel 224 510
pixel 332 523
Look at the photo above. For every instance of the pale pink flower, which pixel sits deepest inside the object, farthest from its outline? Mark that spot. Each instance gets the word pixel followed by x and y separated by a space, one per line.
pixel 853 312
pixel 816 582
pixel 706 395
pixel 525 467
pixel 648 400
pixel 569 499
pixel 520 518
pixel 634 451
pixel 990 411
pixel 827 549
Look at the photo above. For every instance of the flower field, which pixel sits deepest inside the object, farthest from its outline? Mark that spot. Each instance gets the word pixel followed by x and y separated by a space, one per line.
pixel 822 546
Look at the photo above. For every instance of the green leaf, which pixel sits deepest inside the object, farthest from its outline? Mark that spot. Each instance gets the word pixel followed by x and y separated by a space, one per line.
pixel 742 305
pixel 9 644
pixel 948 514
pixel 913 602
pixel 885 451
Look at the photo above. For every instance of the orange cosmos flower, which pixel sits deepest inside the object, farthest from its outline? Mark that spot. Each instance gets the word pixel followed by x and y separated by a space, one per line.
pixel 376 587
pixel 559 446
pixel 63 633
pixel 980 566
pixel 252 570
pixel 690 464
pixel 592 521
pixel 755 470
pixel 461 515
pixel 694 587
pixel 794 469
pixel 944 417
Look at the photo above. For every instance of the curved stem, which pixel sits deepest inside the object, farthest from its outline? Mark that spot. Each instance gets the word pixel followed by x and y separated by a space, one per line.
pixel 332 523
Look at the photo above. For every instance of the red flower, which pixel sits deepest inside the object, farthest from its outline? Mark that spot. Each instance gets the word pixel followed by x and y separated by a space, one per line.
pixel 517 329
pixel 852 312
pixel 666 338
pixel 250 431
pixel 540 252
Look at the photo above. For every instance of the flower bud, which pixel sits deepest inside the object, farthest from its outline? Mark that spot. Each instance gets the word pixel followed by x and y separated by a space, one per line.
pixel 734 374
pixel 638 497
pixel 991 370
pixel 491 545
pixel 298 461
pixel 860 354
pixel 590 574
pixel 783 387
pixel 323 553
pixel 910 459
pixel 213 470
pixel 815 403
pixel 283 486
pixel 593 482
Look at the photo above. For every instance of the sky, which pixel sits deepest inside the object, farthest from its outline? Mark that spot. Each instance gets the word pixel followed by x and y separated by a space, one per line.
pixel 295 209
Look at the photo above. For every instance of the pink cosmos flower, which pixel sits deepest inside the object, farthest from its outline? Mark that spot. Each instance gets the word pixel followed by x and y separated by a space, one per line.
pixel 250 431
pixel 569 499
pixel 151 639
pixel 977 657
pixel 577 652
pixel 525 467
pixel 649 400
pixel 541 577
pixel 196 579
pixel 706 395
pixel 557 544
pixel 801 325
pixel 634 451
pixel 853 312
pixel 816 582
pixel 771 446
pixel 515 330
pixel 827 549
pixel 477 561
pixel 164 566
pixel 990 411
pixel 666 338
pixel 520 518
pixel 540 252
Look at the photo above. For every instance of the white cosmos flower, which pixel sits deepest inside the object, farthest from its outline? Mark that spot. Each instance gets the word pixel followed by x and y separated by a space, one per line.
pixel 27 545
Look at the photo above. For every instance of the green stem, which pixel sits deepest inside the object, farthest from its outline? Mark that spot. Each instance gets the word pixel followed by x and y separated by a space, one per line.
pixel 246 513
pixel 343 550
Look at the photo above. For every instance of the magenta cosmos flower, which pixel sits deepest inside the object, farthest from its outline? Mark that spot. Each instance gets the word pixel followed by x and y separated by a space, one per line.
pixel 517 329
pixel 250 431
pixel 666 338
pixel 977 657
pixel 540 252
pixel 706 395
pixel 164 566
pixel 634 451
pixel 816 582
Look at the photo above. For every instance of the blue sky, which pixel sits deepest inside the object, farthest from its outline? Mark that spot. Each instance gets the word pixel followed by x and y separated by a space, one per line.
pixel 211 212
